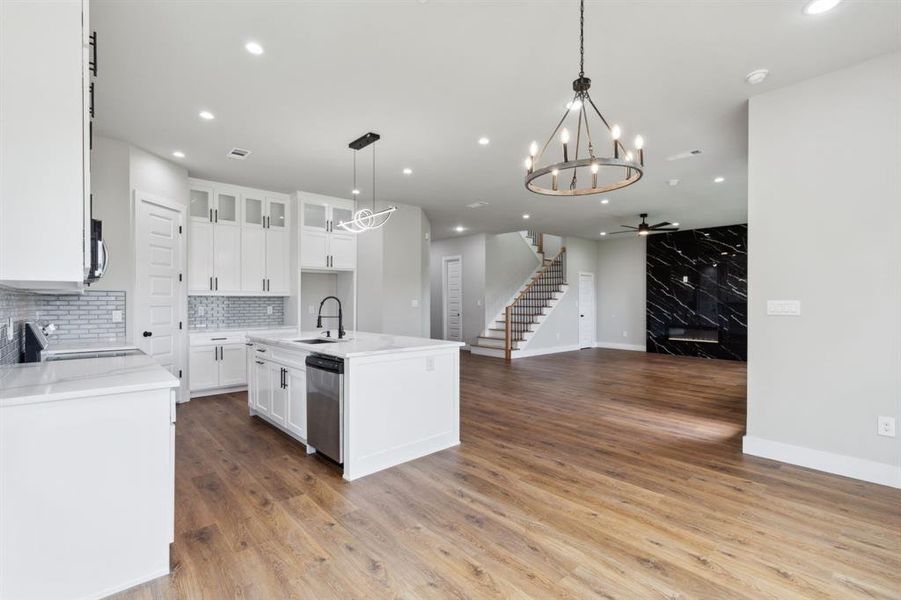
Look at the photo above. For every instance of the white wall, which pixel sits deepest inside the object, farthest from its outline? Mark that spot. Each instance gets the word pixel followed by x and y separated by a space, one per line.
pixel 824 200
pixel 622 293
pixel 472 250
pixel 560 331
pixel 392 275
pixel 509 261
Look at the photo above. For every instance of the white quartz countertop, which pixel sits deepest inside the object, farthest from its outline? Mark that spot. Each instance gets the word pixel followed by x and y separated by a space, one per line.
pixel 70 379
pixel 356 343
pixel 215 330
pixel 68 347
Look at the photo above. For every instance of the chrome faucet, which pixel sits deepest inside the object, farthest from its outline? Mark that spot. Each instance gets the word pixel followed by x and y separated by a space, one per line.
pixel 340 316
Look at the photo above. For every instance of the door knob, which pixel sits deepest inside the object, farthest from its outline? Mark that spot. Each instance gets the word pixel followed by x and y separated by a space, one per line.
pixel 581 315
pixel 147 333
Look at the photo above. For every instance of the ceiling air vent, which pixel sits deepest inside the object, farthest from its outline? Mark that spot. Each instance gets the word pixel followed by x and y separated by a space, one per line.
pixel 238 153
pixel 682 155
pixel 478 204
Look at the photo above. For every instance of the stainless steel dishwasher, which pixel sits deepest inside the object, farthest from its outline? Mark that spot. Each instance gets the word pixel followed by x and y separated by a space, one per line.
pixel 325 405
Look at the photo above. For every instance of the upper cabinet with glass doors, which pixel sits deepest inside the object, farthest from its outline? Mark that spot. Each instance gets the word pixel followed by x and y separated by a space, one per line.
pixel 324 245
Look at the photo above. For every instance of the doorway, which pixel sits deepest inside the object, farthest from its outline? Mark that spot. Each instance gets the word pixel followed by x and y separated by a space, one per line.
pixel 452 270
pixel 158 328
pixel 587 310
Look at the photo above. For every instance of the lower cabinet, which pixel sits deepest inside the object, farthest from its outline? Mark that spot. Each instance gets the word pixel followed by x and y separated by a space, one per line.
pixel 278 393
pixel 217 366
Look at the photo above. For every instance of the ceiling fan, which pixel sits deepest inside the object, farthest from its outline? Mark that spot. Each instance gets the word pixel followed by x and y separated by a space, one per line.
pixel 645 229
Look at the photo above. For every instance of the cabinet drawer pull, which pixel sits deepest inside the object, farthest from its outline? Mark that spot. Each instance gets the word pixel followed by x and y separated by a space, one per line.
pixel 261 349
pixel 216 339
pixel 259 362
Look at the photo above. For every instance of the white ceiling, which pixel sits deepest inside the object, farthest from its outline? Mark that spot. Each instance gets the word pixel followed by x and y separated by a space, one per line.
pixel 432 77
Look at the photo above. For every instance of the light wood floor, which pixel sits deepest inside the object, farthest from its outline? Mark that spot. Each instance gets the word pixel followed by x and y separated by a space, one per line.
pixel 595 474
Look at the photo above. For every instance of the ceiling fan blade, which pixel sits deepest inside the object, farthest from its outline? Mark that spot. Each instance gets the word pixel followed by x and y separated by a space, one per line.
pixel 629 227
pixel 661 224
pixel 615 232
pixel 665 229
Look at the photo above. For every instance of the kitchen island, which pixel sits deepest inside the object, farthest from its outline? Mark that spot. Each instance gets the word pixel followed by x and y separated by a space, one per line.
pixel 400 396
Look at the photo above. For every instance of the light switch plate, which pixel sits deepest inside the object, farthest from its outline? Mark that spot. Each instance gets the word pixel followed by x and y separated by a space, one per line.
pixel 117 316
pixel 268 310
pixel 414 302
pixel 783 308
pixel 886 426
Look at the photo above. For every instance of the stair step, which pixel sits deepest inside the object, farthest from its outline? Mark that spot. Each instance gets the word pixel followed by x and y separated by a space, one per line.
pixel 484 342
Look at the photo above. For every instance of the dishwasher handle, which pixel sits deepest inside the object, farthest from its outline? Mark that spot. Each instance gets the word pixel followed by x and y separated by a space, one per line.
pixel 325 363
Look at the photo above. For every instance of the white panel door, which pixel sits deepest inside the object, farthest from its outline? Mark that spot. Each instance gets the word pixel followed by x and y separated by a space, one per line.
pixel 158 294
pixel 279 407
pixel 296 420
pixel 453 298
pixel 200 257
pixel 277 261
pixel 232 365
pixel 253 260
pixel 227 258
pixel 204 368
pixel 313 249
pixel 587 310
pixel 343 250
pixel 263 397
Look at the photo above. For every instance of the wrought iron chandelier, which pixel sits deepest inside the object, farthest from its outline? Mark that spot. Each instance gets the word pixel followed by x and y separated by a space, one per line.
pixel 366 219
pixel 604 173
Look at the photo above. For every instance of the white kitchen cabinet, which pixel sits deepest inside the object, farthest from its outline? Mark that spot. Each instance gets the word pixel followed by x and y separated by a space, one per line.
pixel 217 365
pixel 261 392
pixel 204 367
pixel 324 245
pixel 45 101
pixel 296 387
pixel 242 244
pixel 278 408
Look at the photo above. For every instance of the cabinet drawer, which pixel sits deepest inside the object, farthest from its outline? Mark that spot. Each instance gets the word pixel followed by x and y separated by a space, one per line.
pixel 218 339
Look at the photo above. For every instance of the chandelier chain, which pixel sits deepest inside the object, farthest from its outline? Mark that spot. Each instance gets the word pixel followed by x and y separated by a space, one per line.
pixel 582 38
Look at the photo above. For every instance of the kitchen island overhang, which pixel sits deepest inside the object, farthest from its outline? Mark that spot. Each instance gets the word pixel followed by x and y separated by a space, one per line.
pixel 401 395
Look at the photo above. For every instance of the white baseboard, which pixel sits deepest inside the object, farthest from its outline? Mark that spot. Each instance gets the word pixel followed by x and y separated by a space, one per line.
pixel 837 464
pixel 540 351
pixel 215 391
pixel 614 346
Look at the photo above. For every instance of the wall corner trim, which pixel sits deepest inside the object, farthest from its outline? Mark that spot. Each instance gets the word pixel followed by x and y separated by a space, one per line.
pixel 615 346
pixel 828 462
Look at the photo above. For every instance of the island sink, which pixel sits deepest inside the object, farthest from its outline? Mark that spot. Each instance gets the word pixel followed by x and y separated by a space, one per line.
pixel 316 341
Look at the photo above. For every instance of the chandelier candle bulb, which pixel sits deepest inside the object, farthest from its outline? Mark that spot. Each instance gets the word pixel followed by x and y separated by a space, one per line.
pixel 533 149
pixel 564 137
pixel 594 174
pixel 554 173
pixel 529 165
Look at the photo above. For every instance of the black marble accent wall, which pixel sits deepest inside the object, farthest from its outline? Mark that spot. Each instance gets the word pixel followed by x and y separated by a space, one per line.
pixel 697 290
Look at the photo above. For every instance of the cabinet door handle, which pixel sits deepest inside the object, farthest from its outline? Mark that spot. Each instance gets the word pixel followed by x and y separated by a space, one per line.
pixel 147 333
pixel 261 349
pixel 92 64
pixel 211 215
pixel 215 352
pixel 259 362
pixel 249 344
pixel 217 339
pixel 216 212
pixel 91 109
pixel 217 283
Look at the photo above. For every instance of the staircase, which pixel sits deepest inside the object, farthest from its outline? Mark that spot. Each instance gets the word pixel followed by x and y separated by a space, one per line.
pixel 509 333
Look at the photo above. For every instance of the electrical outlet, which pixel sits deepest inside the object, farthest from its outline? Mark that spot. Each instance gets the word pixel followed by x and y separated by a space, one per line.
pixel 268 310
pixel 625 333
pixel 117 316
pixel 430 364
pixel 886 426
pixel 783 308
pixel 201 311
pixel 685 279
pixel 414 302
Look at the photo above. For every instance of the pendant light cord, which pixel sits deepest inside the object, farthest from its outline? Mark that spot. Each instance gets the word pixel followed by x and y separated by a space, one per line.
pixel 582 38
pixel 373 178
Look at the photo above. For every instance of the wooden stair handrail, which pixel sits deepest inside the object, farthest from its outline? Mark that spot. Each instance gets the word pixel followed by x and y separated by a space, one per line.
pixel 508 311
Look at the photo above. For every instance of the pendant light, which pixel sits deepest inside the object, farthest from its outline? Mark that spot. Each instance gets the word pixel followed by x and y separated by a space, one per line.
pixel 366 219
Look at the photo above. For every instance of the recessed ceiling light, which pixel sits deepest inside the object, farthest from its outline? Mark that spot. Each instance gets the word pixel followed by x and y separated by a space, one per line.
pixel 756 76
pixel 605 201
pixel 603 233
pixel 526 216
pixel 408 171
pixel 178 154
pixel 673 182
pixel 207 115
pixel 676 224
pixel 253 48
pixel 459 229
pixel 719 179
pixel 355 192
pixel 477 204
pixel 816 7
pixel 484 141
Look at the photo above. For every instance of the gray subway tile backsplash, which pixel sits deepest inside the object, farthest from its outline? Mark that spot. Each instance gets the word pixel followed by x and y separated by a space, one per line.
pixel 87 316
pixel 235 312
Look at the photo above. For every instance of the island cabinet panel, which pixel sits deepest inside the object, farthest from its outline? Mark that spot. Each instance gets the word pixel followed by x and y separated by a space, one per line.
pixel 278 408
pixel 399 407
pixel 204 368
pixel 232 365
pixel 296 381
pixel 261 393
